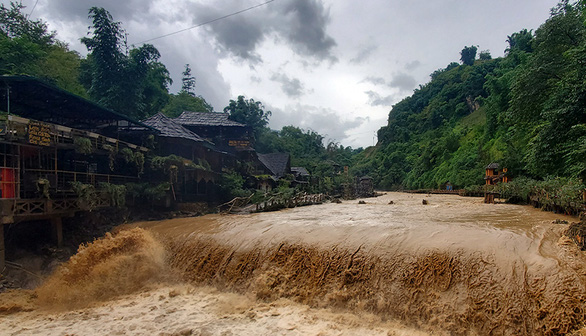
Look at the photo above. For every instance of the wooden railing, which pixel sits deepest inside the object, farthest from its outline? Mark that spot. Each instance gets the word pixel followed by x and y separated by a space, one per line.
pixel 12 210
pixel 64 177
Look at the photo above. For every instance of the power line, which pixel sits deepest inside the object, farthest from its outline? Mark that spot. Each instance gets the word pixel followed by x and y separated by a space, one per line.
pixel 32 10
pixel 207 22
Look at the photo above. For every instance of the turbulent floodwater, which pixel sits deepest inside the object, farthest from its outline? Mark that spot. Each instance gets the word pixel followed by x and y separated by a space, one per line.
pixel 454 266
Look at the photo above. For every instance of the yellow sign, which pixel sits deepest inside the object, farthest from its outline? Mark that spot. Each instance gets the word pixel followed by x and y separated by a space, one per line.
pixel 39 134
pixel 239 143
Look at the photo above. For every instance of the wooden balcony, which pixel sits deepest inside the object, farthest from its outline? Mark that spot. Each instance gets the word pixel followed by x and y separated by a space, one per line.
pixel 19 210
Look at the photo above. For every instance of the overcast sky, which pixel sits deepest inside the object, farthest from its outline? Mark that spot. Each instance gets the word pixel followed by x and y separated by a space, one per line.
pixel 335 67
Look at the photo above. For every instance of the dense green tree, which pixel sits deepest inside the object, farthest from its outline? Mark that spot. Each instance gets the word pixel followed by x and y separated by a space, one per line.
pixel 468 55
pixel 484 55
pixel 15 25
pixel 28 48
pixel 183 101
pixel 521 41
pixel 249 112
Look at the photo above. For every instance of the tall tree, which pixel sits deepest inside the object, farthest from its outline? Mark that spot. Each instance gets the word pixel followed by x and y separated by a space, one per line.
pixel 468 55
pixel 120 80
pixel 188 81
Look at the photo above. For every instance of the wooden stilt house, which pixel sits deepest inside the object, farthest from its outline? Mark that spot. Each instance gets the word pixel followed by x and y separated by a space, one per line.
pixel 49 139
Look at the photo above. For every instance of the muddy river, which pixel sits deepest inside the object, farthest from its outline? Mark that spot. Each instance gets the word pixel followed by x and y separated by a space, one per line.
pixel 454 266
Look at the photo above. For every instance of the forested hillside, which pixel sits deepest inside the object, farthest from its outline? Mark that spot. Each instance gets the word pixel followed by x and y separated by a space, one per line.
pixel 526 110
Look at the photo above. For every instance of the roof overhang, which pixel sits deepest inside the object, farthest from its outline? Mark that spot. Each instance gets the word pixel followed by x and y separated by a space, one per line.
pixel 32 98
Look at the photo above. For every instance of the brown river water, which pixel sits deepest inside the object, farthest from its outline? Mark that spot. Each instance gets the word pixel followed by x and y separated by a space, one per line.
pixel 455 266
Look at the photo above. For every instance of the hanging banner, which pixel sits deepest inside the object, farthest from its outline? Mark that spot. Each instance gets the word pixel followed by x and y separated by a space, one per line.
pixel 40 134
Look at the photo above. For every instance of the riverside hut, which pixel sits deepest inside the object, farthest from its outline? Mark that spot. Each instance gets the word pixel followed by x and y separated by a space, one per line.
pixel 494 174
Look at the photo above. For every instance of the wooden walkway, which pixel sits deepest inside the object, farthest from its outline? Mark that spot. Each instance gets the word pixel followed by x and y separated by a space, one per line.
pixel 277 202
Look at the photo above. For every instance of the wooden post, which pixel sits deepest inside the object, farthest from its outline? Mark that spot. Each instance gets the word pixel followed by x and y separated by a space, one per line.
pixel 57 230
pixel 2 249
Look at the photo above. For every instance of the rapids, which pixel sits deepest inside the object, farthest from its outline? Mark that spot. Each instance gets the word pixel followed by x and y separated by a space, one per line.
pixel 453 266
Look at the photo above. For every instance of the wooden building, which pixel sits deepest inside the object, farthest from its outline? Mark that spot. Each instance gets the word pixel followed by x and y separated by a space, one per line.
pixel 203 162
pixel 50 138
pixel 227 135
pixel 302 178
pixel 494 174
pixel 272 167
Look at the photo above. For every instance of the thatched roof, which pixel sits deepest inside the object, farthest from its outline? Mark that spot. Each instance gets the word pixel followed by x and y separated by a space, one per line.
pixel 493 165
pixel 206 119
pixel 171 129
pixel 277 163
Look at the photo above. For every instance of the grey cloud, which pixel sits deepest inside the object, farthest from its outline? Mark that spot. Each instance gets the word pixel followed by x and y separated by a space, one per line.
pixel 77 10
pixel 292 87
pixel 403 82
pixel 204 66
pixel 240 37
pixel 322 120
pixel 363 54
pixel 301 23
pixel 305 27
pixel 374 80
pixel 412 65
pixel 375 99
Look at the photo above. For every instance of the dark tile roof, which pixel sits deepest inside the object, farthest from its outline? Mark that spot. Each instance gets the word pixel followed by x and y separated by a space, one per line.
pixel 301 171
pixel 277 163
pixel 206 119
pixel 171 129
pixel 493 165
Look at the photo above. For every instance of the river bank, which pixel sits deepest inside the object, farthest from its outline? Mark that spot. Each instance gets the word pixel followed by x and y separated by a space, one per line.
pixel 452 266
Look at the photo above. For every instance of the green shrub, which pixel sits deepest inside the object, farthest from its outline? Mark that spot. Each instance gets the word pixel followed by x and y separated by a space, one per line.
pixel 115 193
pixel 83 145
